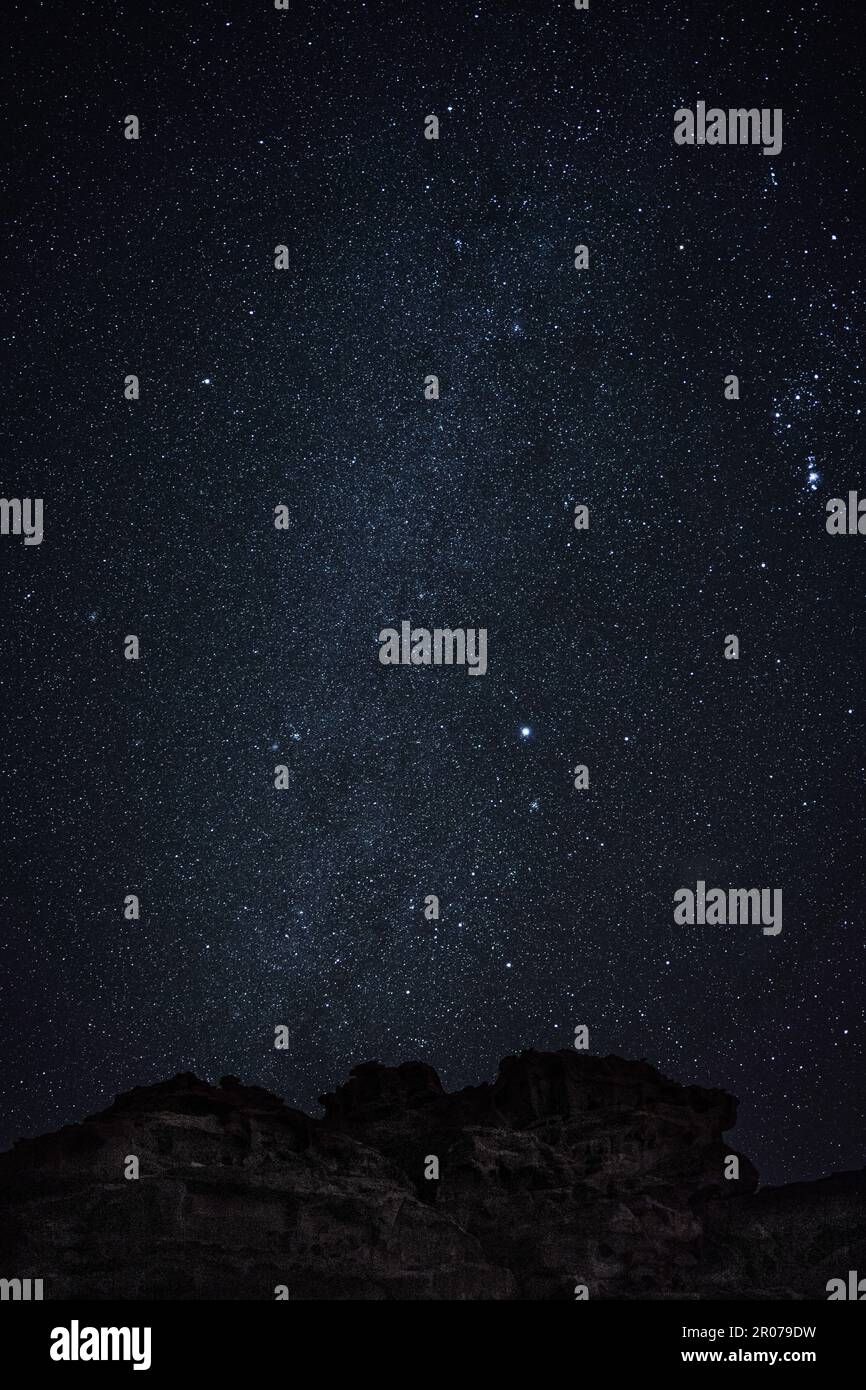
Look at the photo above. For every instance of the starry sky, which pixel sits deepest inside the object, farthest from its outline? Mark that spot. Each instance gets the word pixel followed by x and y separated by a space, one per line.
pixel 304 388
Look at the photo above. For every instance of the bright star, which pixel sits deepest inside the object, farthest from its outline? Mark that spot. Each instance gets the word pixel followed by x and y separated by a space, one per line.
pixel 525 731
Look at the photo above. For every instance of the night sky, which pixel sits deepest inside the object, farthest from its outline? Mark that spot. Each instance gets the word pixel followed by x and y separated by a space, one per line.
pixel 259 647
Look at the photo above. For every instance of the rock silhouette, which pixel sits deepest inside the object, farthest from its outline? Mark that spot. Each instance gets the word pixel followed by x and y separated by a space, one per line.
pixel 567 1170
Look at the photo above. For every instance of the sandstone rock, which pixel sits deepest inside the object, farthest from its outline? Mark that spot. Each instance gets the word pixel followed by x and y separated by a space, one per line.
pixel 567 1169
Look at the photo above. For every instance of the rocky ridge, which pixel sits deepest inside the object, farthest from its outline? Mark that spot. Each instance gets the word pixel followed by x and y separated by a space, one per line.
pixel 567 1170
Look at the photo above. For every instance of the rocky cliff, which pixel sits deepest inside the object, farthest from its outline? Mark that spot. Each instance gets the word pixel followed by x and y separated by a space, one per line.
pixel 567 1170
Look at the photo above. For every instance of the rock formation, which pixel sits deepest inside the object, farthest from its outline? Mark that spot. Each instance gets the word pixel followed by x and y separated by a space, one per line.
pixel 567 1170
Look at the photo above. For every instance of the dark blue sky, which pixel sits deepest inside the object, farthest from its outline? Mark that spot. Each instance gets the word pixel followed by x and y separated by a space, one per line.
pixel 305 387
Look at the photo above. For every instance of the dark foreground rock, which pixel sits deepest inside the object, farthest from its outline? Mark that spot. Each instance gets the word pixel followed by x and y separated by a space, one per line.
pixel 567 1170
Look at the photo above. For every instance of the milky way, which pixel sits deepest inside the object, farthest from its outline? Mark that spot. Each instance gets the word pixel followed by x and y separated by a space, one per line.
pixel 304 388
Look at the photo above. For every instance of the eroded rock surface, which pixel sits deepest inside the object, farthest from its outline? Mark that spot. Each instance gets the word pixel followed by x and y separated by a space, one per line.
pixel 566 1170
